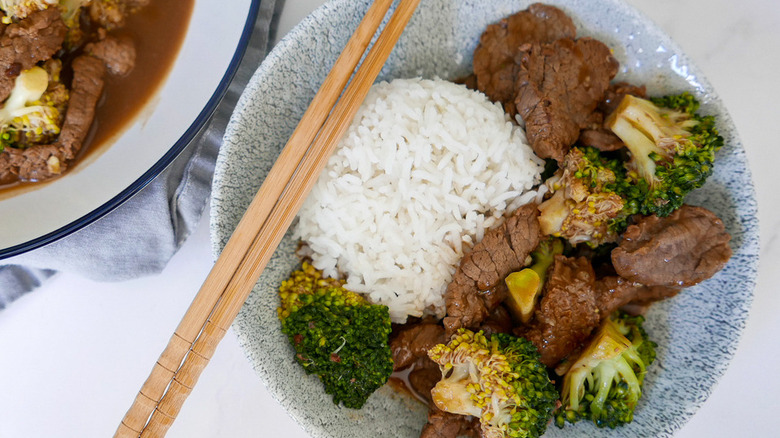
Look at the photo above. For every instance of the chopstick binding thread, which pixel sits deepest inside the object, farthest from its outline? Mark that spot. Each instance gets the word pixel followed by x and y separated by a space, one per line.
pixel 261 229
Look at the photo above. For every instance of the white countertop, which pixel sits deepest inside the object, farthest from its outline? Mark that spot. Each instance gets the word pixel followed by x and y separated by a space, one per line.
pixel 74 353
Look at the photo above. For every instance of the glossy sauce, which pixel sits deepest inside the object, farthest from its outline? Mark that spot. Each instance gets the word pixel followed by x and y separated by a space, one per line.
pixel 399 381
pixel 158 31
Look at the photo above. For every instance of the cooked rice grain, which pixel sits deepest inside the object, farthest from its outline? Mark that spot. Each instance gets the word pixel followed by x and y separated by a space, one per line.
pixel 425 168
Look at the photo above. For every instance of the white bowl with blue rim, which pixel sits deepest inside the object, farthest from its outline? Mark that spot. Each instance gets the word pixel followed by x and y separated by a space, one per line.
pixel 216 38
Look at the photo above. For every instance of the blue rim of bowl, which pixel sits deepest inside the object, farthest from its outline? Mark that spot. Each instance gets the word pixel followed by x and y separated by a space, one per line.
pixel 200 121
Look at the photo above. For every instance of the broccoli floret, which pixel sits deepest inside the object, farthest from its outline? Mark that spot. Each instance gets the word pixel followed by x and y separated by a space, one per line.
pixel 525 285
pixel 499 380
pixel 591 199
pixel 605 383
pixel 19 9
pixel 71 10
pixel 672 148
pixel 35 110
pixel 71 16
pixel 337 335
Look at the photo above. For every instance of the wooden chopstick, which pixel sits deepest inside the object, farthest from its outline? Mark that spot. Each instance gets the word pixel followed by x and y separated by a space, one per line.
pixel 261 229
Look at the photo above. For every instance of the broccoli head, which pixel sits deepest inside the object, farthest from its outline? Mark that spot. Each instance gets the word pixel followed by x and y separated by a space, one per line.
pixel 337 335
pixel 71 9
pixel 605 383
pixel 591 199
pixel 672 148
pixel 71 16
pixel 499 380
pixel 35 110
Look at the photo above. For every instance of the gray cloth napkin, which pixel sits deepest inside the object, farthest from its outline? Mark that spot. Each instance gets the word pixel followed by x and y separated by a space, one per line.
pixel 140 236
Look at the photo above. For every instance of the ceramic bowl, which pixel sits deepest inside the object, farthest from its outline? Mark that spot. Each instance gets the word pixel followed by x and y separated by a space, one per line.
pixel 697 331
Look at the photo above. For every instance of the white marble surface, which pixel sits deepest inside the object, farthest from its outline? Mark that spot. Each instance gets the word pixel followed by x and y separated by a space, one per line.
pixel 74 353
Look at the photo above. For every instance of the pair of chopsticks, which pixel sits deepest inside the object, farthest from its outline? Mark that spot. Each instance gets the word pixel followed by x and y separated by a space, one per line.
pixel 263 225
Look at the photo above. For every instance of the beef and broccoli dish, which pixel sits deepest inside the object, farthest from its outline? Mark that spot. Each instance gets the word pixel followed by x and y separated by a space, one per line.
pixel 546 243
pixel 63 63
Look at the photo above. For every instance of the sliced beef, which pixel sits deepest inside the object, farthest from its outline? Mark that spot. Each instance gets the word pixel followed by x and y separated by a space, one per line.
pixel 87 85
pixel 413 342
pixel 682 249
pixel 574 303
pixel 14 162
pixel 499 321
pixel 559 85
pixel 595 134
pixel 23 44
pixel 46 161
pixel 445 425
pixel 409 346
pixel 600 138
pixel 117 53
pixel 616 92
pixel 478 287
pixel 615 292
pixel 495 63
pixel 423 377
pixel 567 312
pixel 647 295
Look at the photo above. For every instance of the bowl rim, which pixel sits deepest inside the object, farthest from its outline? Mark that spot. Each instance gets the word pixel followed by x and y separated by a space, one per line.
pixel 170 155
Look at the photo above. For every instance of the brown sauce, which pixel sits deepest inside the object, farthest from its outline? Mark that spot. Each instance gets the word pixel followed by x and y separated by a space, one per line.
pixel 399 381
pixel 158 31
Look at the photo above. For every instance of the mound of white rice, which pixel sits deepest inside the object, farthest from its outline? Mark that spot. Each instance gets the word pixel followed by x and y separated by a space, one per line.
pixel 424 169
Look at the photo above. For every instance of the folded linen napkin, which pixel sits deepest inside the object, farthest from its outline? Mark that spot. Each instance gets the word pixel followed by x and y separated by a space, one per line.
pixel 140 236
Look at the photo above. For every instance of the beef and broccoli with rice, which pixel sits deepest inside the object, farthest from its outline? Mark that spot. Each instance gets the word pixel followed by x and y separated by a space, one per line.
pixel 495 241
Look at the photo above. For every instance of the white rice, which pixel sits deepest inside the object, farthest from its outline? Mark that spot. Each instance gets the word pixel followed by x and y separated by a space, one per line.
pixel 425 168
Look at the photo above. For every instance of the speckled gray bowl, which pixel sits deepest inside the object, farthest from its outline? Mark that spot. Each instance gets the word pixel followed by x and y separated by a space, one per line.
pixel 697 331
